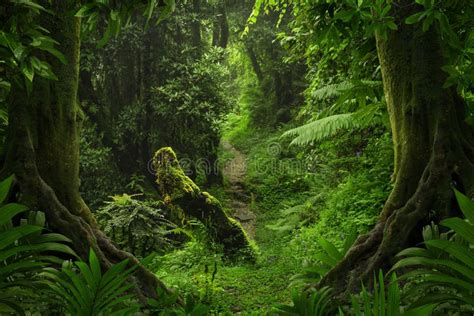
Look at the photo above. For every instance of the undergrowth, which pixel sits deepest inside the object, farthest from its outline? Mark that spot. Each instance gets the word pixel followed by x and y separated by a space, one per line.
pixel 298 197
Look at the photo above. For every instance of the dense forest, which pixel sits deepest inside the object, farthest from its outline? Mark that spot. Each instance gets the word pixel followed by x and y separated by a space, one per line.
pixel 237 157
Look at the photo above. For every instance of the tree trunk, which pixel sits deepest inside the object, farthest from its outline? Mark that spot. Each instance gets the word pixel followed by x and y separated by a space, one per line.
pixel 196 25
pixel 255 64
pixel 43 152
pixel 186 198
pixel 434 151
pixel 224 27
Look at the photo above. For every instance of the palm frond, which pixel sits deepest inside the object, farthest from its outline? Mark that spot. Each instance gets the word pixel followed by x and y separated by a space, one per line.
pixel 20 253
pixel 84 290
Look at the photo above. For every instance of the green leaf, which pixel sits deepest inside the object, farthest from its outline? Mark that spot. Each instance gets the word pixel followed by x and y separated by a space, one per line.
pixel 108 33
pixel 345 16
pixel 32 5
pixel 8 211
pixel 18 52
pixel 391 25
pixel 167 10
pixel 85 10
pixel 8 237
pixel 466 205
pixel 27 70
pixel 5 188
pixel 56 53
pixel 461 227
pixel 415 18
pixel 425 310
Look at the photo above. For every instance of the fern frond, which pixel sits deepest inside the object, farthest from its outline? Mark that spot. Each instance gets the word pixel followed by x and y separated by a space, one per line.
pixel 331 90
pixel 326 127
pixel 320 129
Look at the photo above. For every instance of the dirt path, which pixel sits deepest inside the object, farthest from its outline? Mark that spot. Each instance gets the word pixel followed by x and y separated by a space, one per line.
pixel 234 172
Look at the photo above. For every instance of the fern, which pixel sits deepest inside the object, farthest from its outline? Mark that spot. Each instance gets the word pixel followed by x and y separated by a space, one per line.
pixel 137 226
pixel 358 106
pixel 328 126
pixel 347 89
pixel 331 90
pixel 320 129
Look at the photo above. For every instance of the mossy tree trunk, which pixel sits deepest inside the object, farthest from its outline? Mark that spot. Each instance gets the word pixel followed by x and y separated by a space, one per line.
pixel 434 151
pixel 186 198
pixel 42 150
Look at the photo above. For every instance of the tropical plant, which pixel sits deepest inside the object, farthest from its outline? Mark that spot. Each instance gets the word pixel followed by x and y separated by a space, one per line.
pixel 358 105
pixel 84 290
pixel 385 301
pixel 444 269
pixel 167 304
pixel 137 226
pixel 21 253
pixel 317 303
pixel 329 256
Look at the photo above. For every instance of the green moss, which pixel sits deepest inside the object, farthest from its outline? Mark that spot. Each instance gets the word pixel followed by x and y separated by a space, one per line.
pixel 173 182
pixel 184 196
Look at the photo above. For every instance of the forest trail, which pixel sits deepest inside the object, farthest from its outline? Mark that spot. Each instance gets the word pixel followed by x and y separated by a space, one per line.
pixel 234 171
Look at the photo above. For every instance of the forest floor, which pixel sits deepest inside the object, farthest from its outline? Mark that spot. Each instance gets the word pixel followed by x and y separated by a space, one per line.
pixel 235 171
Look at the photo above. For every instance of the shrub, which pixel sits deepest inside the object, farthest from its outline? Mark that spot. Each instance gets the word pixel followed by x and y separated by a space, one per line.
pixel 140 227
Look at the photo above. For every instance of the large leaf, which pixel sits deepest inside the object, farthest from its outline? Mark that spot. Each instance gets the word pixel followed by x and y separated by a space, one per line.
pixel 5 187
pixel 7 212
pixel 466 205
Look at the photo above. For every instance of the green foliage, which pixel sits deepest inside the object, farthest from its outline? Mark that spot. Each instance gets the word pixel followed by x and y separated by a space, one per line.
pixel 167 305
pixel 22 39
pixel 443 271
pixel 314 304
pixel 100 176
pixel 385 301
pixel 327 259
pixel 190 120
pixel 84 290
pixel 23 251
pixel 119 13
pixel 140 227
pixel 351 95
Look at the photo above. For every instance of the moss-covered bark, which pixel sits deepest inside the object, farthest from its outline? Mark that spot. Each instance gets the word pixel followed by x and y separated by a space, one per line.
pixel 42 150
pixel 185 196
pixel 434 150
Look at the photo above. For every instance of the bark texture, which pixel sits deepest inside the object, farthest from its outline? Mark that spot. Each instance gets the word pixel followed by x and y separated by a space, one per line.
pixel 434 151
pixel 184 196
pixel 42 150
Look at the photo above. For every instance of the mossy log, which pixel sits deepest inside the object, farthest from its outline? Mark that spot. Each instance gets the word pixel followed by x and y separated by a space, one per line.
pixel 181 193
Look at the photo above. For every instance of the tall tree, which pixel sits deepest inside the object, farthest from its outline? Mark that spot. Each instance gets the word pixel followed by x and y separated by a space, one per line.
pixel 433 144
pixel 42 146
